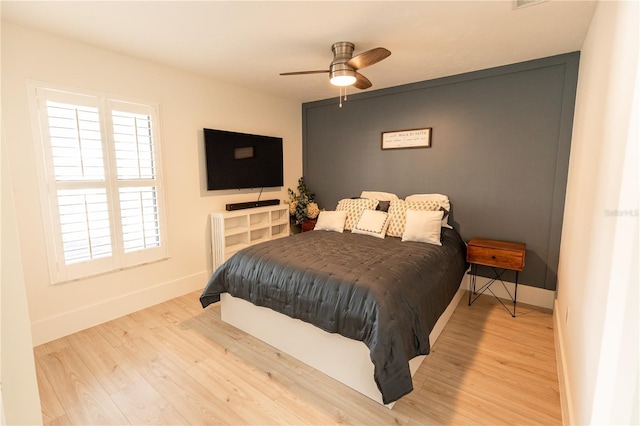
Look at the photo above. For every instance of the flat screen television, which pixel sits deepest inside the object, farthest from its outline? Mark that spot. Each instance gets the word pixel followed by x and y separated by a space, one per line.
pixel 241 160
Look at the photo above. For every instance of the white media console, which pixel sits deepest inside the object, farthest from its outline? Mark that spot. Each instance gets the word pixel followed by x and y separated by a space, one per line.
pixel 234 230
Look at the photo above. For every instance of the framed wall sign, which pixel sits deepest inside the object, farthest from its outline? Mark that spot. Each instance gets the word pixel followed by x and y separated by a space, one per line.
pixel 411 138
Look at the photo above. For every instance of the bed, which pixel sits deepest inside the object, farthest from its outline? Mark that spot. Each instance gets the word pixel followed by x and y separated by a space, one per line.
pixel 356 307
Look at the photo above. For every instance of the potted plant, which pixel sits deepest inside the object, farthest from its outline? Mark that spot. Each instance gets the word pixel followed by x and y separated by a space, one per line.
pixel 302 206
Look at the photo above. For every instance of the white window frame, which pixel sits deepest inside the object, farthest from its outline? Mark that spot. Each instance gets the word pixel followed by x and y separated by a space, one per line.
pixel 59 271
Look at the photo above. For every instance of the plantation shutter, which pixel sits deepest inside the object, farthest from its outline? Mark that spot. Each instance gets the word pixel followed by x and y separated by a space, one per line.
pixel 136 169
pixel 102 192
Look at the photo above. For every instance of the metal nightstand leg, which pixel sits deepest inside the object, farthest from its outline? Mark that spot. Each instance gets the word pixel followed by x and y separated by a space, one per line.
pixel 472 283
pixel 515 296
pixel 481 290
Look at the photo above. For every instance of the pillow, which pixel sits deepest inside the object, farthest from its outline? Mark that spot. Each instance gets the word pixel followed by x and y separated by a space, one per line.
pixel 428 197
pixel 331 221
pixel 445 218
pixel 378 195
pixel 439 198
pixel 398 210
pixel 423 226
pixel 354 208
pixel 372 222
pixel 383 206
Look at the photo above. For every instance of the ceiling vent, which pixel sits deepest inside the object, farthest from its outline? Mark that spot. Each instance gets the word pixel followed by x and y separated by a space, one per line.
pixel 519 4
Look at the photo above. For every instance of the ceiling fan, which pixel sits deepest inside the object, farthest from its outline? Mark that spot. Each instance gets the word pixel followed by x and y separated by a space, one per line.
pixel 343 70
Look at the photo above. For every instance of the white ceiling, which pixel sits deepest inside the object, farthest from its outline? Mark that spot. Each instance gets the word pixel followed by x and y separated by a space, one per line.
pixel 250 43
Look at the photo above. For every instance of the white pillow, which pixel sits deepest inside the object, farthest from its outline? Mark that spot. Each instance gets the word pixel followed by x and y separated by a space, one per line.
pixel 372 222
pixel 378 195
pixel 427 197
pixel 443 200
pixel 354 208
pixel 398 214
pixel 423 226
pixel 331 221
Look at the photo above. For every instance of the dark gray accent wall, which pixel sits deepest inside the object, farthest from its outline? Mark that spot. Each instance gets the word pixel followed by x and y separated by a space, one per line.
pixel 500 151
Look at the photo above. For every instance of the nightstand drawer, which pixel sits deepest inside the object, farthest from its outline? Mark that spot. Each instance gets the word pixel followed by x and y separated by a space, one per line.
pixel 496 253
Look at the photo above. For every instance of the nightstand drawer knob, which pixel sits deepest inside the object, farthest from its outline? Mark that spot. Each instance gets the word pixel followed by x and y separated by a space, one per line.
pixel 493 257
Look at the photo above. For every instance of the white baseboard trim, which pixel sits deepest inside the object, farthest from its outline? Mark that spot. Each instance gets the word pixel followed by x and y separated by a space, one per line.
pixel 54 327
pixel 563 379
pixel 526 294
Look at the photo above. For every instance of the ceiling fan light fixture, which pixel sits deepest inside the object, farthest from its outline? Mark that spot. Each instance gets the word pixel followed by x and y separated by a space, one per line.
pixel 343 79
pixel 340 74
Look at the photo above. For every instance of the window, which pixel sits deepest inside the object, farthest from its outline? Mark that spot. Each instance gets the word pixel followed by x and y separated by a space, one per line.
pixel 101 182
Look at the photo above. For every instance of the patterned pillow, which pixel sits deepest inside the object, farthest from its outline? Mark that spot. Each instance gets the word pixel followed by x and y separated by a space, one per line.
pixel 398 214
pixel 354 209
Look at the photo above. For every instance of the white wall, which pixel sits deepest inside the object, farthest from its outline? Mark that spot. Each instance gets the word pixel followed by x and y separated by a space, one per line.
pixel 20 399
pixel 188 102
pixel 597 301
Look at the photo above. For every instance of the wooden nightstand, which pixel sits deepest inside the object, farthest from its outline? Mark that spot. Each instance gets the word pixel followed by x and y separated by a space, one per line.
pixel 496 254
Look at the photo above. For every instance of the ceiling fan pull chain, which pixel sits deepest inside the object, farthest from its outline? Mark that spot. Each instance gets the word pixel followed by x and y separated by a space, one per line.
pixel 340 98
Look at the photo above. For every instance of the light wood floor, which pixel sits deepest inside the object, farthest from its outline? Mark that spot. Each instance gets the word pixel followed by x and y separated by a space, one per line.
pixel 176 363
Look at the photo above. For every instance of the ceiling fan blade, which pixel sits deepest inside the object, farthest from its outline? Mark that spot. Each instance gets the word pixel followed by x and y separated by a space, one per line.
pixel 362 82
pixel 304 72
pixel 368 58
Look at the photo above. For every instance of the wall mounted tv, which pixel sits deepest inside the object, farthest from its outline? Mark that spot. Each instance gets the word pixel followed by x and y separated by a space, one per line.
pixel 240 160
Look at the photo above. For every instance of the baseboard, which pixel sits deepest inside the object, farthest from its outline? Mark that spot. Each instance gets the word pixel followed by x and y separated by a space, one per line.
pixel 563 379
pixel 61 325
pixel 526 294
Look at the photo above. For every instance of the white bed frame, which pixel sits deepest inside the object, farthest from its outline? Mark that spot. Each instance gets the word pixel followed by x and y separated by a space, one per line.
pixel 346 360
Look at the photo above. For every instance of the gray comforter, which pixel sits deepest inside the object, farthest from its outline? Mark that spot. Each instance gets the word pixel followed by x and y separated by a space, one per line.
pixel 384 292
